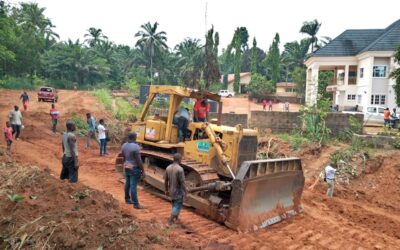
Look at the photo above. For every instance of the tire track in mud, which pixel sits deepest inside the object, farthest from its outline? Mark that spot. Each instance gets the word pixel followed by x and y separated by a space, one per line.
pixel 321 226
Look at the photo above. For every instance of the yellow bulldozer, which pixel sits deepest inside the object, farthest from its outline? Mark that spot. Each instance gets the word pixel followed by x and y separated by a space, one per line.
pixel 226 181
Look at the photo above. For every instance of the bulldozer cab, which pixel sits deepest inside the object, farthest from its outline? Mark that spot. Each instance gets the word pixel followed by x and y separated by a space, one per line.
pixel 159 128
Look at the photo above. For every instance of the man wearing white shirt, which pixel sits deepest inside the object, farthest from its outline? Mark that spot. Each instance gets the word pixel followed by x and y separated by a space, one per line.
pixel 102 137
pixel 330 171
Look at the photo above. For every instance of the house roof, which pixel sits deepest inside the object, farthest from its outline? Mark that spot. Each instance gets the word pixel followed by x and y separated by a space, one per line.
pixel 231 77
pixel 353 42
pixel 286 84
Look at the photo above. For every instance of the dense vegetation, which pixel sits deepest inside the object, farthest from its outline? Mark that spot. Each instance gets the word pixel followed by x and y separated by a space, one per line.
pixel 31 54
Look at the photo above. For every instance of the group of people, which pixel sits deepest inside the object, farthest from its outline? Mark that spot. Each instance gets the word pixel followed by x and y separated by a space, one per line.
pixel 174 177
pixel 182 116
pixel 391 119
pixel 13 127
pixel 133 168
pixel 265 102
pixel 102 131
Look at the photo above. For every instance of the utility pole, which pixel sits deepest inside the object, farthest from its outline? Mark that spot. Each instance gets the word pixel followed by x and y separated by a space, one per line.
pixel 205 18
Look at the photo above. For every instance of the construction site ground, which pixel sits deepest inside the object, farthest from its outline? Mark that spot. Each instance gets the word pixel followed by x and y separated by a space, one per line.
pixel 362 215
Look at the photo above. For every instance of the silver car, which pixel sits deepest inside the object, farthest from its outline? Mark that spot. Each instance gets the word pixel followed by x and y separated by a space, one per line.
pixel 374 115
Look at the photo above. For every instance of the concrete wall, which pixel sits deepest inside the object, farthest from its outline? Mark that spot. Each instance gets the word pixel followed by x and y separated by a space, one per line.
pixel 229 119
pixel 278 122
pixel 285 122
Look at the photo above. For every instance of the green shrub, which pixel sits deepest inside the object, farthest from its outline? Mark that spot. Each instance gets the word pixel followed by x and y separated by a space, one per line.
pixel 124 110
pixel 133 87
pixel 80 124
pixel 104 97
pixel 396 143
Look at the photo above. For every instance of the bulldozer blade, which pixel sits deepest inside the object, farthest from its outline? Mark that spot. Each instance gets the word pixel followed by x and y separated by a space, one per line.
pixel 265 192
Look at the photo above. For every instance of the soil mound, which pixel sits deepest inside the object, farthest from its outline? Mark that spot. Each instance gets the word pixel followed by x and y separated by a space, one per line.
pixel 39 211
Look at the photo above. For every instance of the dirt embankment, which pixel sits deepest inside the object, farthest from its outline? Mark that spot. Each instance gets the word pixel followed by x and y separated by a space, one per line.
pixel 362 215
pixel 60 215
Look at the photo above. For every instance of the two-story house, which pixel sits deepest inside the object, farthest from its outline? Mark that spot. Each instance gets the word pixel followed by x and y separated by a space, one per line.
pixel 361 61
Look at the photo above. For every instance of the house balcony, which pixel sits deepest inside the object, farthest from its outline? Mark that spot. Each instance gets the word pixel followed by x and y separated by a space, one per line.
pixel 339 84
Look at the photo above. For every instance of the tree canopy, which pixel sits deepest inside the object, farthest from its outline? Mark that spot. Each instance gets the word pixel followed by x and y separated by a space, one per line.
pixel 31 53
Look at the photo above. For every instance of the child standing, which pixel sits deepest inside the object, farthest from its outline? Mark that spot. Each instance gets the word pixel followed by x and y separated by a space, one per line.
pixel 8 136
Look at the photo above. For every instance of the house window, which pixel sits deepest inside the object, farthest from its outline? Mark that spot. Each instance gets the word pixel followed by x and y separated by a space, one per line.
pixel 379 71
pixel 361 72
pixel 351 97
pixel 289 90
pixel 359 99
pixel 378 99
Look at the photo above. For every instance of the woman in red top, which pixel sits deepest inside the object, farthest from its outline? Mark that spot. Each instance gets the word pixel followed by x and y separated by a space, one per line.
pixel 8 135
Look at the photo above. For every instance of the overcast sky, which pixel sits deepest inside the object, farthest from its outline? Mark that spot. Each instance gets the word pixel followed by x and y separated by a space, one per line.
pixel 121 19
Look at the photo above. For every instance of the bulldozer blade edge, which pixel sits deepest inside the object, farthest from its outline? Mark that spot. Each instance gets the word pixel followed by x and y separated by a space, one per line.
pixel 265 192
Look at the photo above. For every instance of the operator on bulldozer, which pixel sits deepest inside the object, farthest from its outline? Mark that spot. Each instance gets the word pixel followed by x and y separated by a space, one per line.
pixel 225 180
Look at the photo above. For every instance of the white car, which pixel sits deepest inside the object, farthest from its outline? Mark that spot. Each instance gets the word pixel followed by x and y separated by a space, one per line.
pixel 372 116
pixel 226 93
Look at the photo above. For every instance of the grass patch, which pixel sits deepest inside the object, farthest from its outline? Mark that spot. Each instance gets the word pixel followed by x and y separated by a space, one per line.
pixel 124 110
pixel 296 140
pixel 104 97
pixel 81 125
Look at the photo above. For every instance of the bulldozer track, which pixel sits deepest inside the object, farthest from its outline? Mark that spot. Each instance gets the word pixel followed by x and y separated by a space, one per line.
pixel 206 173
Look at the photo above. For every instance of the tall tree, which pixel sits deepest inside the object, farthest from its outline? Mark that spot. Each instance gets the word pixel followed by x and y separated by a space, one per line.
pixel 152 41
pixel 254 57
pixel 273 59
pixel 238 53
pixel 211 73
pixel 396 76
pixel 190 58
pixel 244 37
pixel 295 53
pixel 94 36
pixel 311 28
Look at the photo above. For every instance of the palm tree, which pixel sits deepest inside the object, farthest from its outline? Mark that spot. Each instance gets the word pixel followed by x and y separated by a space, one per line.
pixel 32 16
pixel 295 53
pixel 151 40
pixel 311 28
pixel 190 54
pixel 95 36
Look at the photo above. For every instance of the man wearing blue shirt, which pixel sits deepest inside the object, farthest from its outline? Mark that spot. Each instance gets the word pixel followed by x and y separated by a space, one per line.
pixel 91 129
pixel 181 119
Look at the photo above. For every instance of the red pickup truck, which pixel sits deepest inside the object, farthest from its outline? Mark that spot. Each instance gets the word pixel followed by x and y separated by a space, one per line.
pixel 47 94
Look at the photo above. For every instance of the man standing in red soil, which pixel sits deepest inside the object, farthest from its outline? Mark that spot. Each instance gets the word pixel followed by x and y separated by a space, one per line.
pixel 133 170
pixel 264 104
pixel 54 117
pixel 25 100
pixel 330 172
pixel 174 180
pixel 270 105
pixel 15 117
pixel 70 162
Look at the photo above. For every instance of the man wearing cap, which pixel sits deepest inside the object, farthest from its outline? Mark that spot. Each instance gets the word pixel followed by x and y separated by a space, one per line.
pixel 70 163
